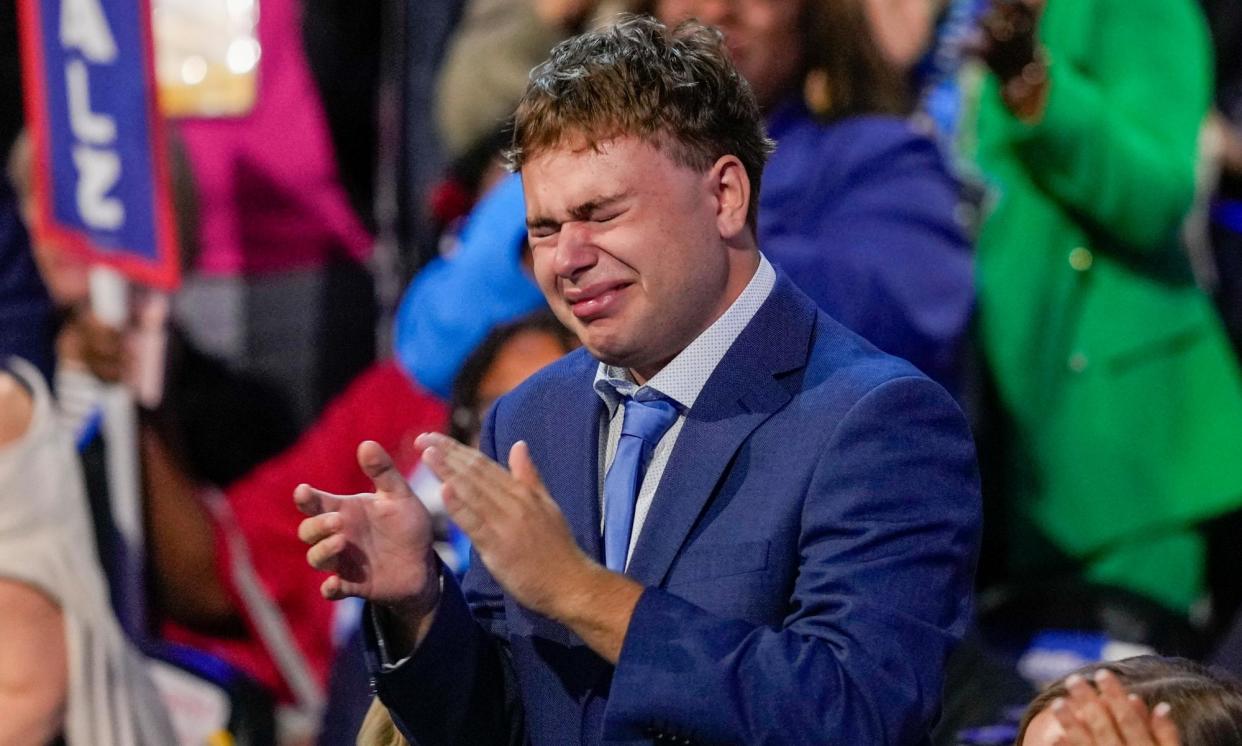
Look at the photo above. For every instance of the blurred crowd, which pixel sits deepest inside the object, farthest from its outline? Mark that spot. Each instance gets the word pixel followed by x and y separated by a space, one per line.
pixel 1037 202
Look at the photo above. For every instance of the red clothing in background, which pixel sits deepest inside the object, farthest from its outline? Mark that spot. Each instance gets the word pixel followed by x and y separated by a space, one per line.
pixel 381 405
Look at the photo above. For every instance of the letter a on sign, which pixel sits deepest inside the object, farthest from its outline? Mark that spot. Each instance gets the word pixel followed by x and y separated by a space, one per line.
pixel 101 165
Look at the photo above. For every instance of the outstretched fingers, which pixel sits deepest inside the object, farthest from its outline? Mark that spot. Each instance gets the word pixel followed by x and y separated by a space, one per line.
pixel 311 501
pixel 449 459
pixel 463 512
pixel 478 480
pixel 325 554
pixel 522 467
pixel 332 588
pixel 380 469
pixel 319 527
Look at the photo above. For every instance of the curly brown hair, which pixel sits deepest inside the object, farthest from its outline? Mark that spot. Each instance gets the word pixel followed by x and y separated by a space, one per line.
pixel 674 88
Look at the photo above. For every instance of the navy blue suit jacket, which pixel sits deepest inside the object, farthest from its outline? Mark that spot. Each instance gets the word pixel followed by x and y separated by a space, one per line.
pixel 808 560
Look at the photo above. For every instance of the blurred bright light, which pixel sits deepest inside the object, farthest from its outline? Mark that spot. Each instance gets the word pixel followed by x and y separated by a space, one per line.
pixel 193 70
pixel 243 55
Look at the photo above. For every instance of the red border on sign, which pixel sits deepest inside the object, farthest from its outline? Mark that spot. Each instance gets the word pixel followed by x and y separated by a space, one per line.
pixel 164 271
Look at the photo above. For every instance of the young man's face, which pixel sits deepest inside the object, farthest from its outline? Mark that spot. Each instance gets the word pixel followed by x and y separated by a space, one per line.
pixel 628 248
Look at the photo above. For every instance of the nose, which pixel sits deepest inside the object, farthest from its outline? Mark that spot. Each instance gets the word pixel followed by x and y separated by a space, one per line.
pixel 575 252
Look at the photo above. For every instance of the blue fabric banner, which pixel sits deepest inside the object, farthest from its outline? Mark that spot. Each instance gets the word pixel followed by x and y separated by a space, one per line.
pixel 100 167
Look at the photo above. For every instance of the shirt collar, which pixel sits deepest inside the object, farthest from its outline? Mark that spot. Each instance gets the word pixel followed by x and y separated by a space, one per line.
pixel 685 376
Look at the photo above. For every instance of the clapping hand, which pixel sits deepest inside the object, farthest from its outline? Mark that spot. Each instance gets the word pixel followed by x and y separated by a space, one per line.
pixel 517 529
pixel 378 546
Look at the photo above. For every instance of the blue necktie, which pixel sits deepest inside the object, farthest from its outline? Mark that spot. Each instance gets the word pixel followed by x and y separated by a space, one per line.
pixel 643 425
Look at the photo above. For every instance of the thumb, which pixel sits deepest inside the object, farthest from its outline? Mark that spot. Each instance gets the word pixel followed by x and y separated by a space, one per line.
pixel 378 466
pixel 522 467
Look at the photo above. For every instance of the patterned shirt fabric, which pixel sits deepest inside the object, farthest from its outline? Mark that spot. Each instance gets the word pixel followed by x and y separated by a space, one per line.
pixel 681 381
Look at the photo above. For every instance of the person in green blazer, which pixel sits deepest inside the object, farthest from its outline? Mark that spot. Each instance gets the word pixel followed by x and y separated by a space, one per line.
pixel 1122 400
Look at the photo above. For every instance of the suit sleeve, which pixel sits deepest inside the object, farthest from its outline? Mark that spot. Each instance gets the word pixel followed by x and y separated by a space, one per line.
pixel 1118 140
pixel 888 546
pixel 459 686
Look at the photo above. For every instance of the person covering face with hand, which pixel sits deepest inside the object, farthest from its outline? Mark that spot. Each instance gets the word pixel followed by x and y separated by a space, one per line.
pixel 726 519
pixel 1143 701
pixel 1103 714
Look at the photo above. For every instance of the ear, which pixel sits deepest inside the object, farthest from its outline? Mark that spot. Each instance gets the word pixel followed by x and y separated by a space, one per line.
pixel 731 186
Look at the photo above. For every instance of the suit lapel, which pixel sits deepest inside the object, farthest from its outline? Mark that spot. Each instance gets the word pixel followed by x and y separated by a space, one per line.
pixel 740 395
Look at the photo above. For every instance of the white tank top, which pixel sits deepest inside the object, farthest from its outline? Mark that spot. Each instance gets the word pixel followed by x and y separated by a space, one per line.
pixel 46 541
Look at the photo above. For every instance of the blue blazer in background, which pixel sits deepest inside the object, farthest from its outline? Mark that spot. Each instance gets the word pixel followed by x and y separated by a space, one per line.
pixel 866 218
pixel 808 559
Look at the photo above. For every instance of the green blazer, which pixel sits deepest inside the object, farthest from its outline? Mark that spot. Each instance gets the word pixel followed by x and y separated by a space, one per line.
pixel 1122 394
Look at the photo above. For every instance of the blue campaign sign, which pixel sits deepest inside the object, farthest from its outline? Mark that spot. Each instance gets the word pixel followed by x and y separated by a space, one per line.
pixel 100 160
